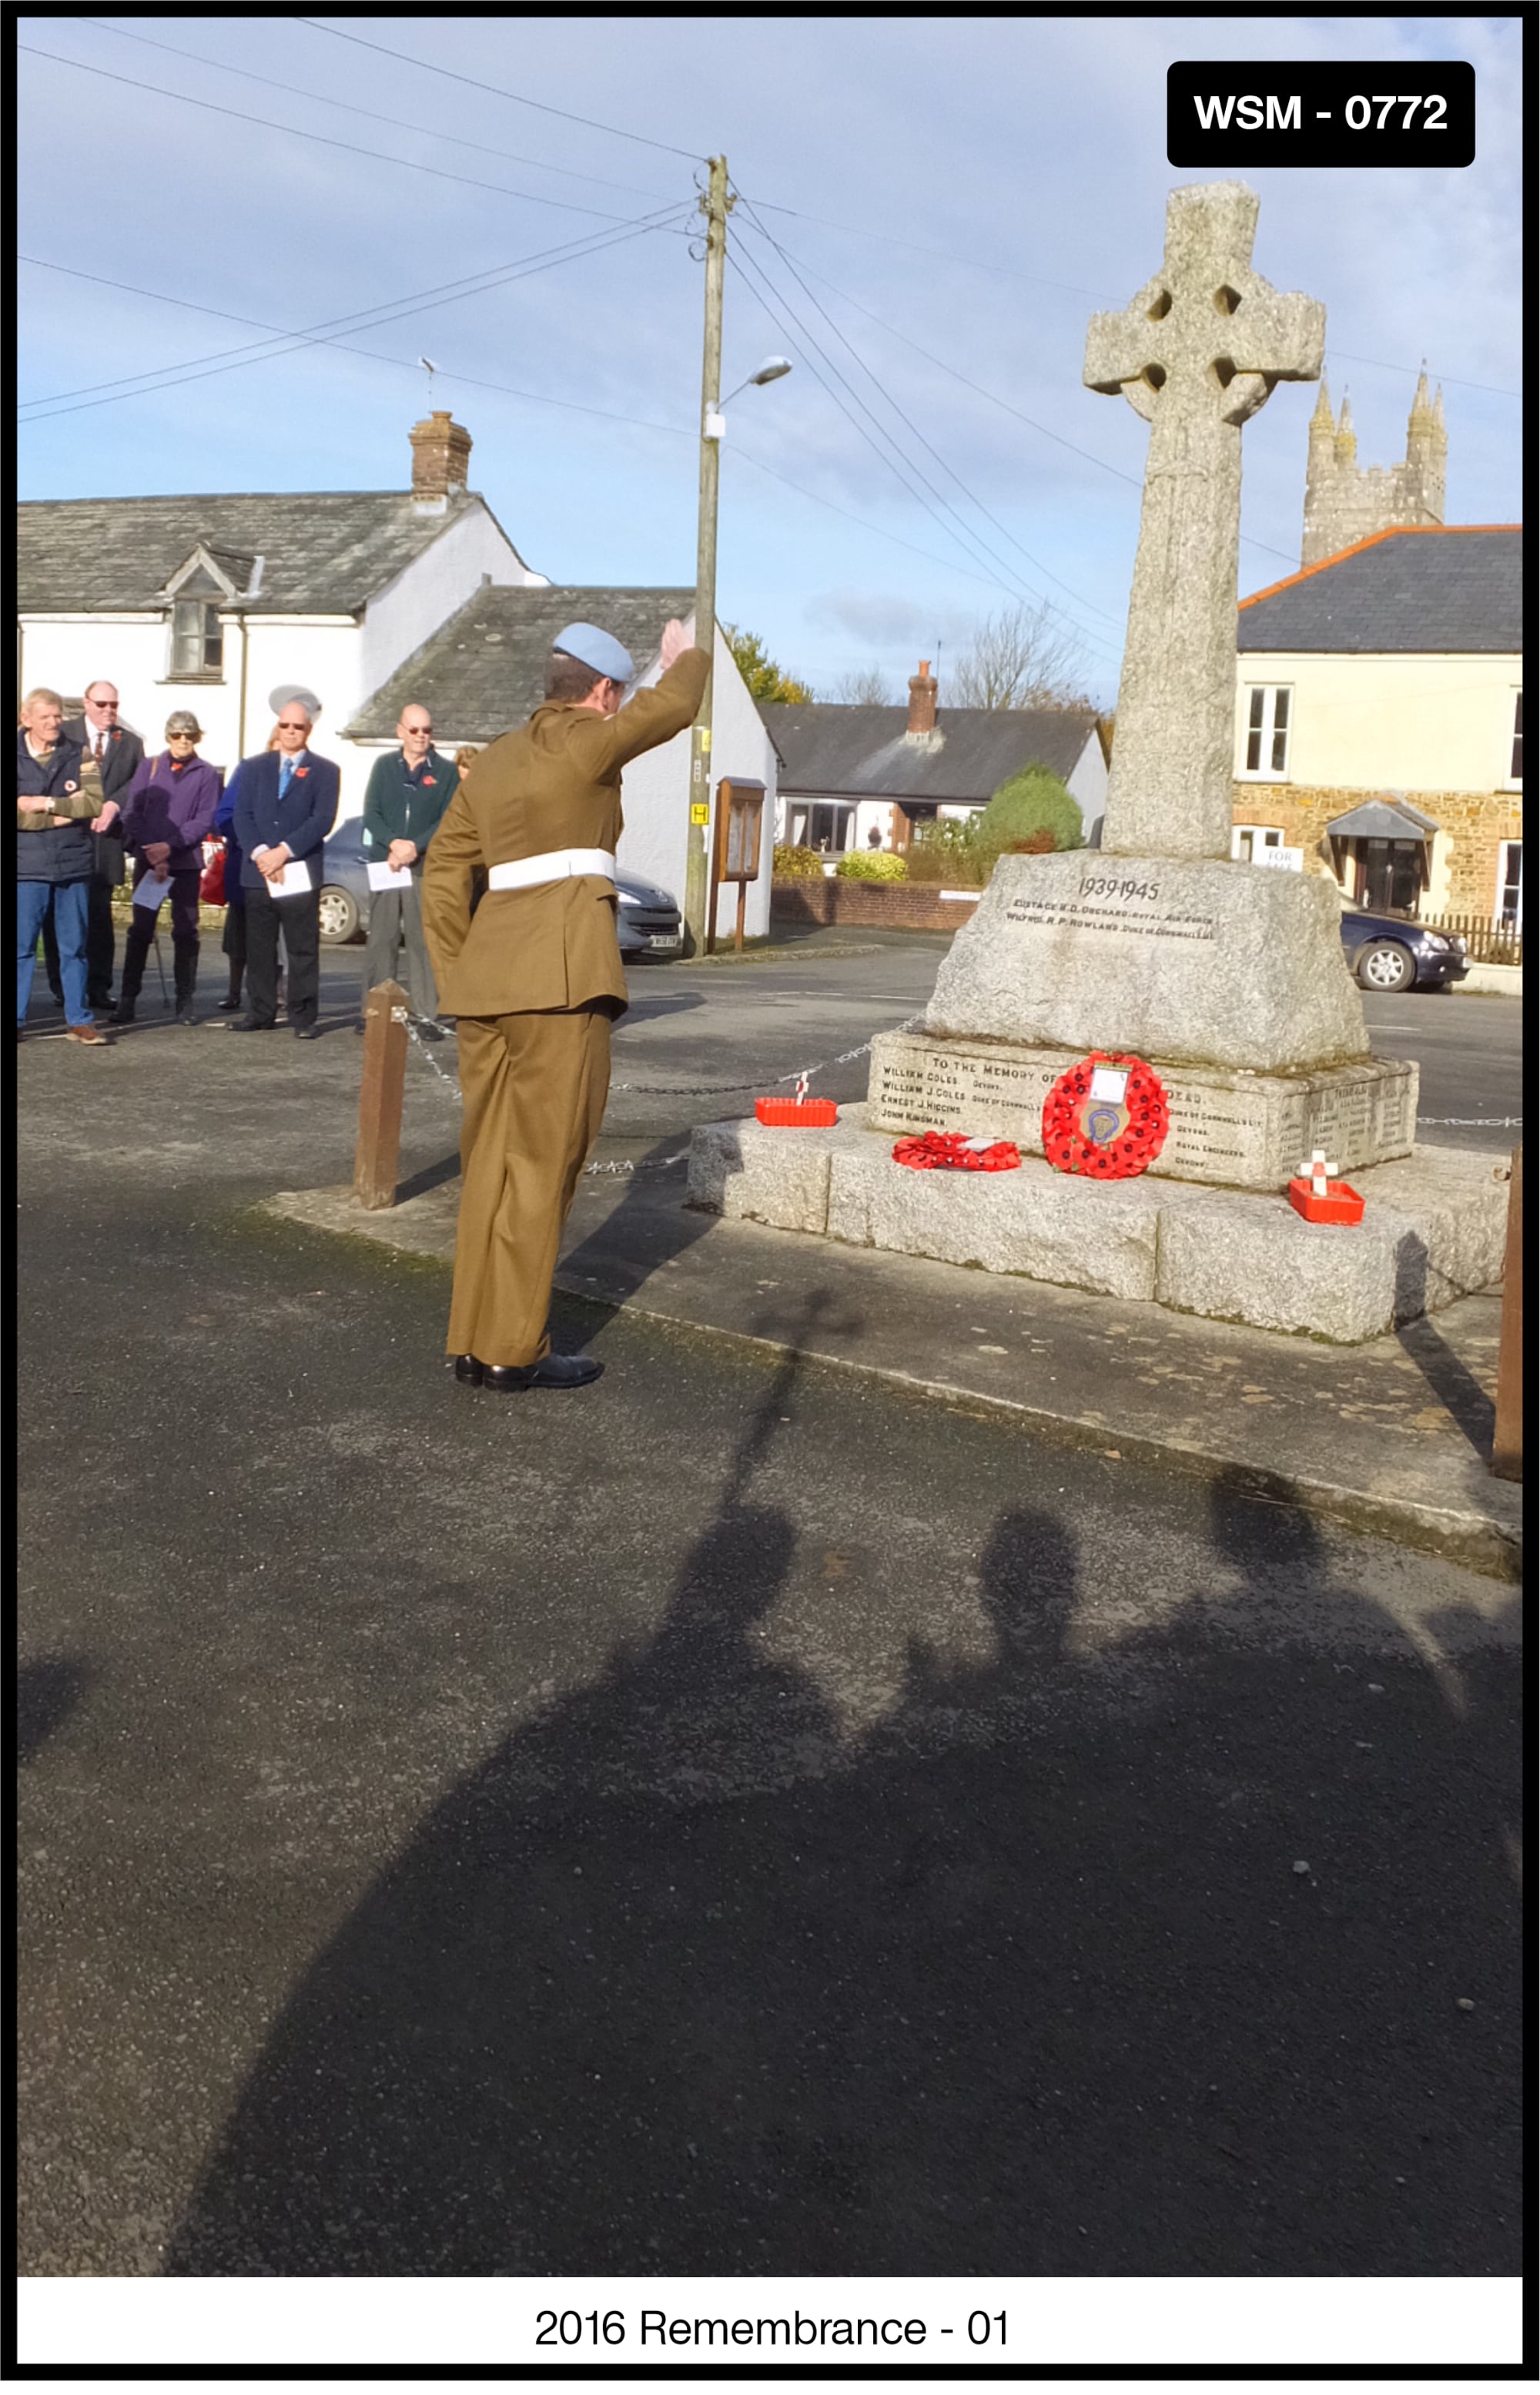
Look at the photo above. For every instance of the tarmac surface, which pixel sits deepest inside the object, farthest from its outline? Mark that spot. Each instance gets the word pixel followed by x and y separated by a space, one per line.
pixel 748 1817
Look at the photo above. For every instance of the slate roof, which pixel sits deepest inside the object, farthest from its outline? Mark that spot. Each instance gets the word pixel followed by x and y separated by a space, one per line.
pixel 866 752
pixel 484 671
pixel 324 552
pixel 1457 591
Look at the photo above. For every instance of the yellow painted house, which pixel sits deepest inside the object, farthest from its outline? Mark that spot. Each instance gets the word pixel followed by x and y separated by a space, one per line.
pixel 1379 720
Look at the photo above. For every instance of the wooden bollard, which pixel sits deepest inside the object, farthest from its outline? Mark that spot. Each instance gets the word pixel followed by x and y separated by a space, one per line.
pixel 1508 1438
pixel 379 1098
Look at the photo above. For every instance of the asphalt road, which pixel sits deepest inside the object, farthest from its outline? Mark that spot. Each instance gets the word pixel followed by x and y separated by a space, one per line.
pixel 733 1819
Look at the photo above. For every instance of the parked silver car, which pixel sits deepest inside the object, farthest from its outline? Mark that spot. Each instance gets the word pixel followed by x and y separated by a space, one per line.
pixel 648 923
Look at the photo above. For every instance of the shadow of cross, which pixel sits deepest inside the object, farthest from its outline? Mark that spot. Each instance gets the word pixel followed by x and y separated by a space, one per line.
pixel 1195 352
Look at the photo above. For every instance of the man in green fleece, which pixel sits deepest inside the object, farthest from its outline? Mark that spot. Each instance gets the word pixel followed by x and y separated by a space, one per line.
pixel 402 807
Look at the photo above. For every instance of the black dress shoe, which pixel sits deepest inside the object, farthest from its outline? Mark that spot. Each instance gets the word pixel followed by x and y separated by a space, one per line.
pixel 551 1372
pixel 467 1368
pixel 306 1031
pixel 427 1029
pixel 121 1014
pixel 230 1006
pixel 247 1024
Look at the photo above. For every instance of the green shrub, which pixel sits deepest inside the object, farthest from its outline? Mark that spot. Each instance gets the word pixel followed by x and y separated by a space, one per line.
pixel 798 863
pixel 1034 801
pixel 870 865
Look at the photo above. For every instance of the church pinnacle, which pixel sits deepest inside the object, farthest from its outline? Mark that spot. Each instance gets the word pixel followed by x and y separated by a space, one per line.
pixel 1345 502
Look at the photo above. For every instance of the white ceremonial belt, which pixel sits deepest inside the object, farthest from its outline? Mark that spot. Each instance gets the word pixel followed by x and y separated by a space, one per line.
pixel 557 865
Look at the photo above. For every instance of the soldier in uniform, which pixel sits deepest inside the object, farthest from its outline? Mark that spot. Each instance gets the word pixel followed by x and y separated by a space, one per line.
pixel 535 982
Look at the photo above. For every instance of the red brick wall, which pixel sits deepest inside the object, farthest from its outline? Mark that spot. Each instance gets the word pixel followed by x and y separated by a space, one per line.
pixel 892 905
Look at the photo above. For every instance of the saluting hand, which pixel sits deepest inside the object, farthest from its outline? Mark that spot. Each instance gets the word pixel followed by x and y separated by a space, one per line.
pixel 675 640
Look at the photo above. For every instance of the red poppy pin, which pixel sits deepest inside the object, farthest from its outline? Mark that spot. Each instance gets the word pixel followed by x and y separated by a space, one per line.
pixel 428 783
pixel 300 772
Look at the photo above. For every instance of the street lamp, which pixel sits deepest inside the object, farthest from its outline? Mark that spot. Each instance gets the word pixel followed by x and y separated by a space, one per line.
pixel 772 371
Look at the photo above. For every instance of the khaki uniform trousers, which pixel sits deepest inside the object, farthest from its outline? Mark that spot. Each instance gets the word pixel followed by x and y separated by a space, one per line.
pixel 533 1088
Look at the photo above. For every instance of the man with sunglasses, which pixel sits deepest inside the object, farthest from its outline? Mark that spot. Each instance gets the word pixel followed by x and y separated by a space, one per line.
pixel 403 807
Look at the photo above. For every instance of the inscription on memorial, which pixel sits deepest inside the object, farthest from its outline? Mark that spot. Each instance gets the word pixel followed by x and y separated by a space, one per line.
pixel 1239 1131
pixel 1129 909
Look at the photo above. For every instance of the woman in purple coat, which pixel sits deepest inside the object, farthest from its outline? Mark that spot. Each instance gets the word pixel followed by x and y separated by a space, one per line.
pixel 167 814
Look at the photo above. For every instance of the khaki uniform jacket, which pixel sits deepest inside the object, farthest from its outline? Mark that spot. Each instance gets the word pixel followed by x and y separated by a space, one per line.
pixel 553 784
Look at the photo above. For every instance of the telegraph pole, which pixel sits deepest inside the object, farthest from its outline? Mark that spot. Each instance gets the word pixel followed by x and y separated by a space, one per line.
pixel 715 204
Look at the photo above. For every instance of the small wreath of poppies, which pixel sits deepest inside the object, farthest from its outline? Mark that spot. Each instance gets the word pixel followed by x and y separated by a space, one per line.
pixel 1106 1140
pixel 953 1151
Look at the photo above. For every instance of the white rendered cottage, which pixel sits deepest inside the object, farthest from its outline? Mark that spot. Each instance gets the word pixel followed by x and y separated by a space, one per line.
pixel 213 602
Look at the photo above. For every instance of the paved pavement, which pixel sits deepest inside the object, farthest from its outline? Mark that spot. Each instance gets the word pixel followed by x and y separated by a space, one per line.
pixel 743 1817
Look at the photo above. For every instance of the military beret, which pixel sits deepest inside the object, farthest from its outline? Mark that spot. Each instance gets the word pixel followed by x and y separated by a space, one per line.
pixel 592 647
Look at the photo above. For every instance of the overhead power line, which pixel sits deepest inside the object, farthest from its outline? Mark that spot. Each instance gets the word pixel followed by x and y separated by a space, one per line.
pixel 620 132
pixel 913 478
pixel 1004 530
pixel 229 362
pixel 994 399
pixel 378 116
pixel 327 140
pixel 1082 291
pixel 882 532
pixel 464 286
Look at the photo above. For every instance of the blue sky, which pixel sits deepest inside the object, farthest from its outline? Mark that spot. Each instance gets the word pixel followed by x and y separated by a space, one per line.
pixel 970 188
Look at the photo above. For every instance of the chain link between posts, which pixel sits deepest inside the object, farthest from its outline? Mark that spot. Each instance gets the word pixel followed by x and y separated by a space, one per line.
pixel 802 1076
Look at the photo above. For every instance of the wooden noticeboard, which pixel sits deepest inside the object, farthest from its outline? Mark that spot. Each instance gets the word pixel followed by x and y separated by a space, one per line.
pixel 735 847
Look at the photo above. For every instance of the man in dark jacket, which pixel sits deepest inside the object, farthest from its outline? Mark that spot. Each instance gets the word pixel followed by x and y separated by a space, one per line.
pixel 59 804
pixel 286 804
pixel 117 754
pixel 408 792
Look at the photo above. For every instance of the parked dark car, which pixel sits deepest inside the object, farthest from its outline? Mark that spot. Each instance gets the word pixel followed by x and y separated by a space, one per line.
pixel 1387 952
pixel 648 920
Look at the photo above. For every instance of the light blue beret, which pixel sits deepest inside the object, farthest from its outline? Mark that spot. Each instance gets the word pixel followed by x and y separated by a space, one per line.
pixel 592 647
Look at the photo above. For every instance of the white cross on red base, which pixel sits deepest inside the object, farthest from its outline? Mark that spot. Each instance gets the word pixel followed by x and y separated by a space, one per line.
pixel 1318 1167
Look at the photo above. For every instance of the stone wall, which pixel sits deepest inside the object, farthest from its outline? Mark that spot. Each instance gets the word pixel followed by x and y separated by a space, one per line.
pixel 1471 822
pixel 1476 822
pixel 893 905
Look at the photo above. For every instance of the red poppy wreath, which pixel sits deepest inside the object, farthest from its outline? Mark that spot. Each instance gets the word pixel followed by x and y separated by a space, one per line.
pixel 1107 1117
pixel 953 1151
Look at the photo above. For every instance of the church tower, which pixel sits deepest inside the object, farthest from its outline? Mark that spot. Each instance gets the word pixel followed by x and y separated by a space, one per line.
pixel 1345 502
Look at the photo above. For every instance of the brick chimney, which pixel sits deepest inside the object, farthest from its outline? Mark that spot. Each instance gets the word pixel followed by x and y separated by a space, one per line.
pixel 441 459
pixel 922 700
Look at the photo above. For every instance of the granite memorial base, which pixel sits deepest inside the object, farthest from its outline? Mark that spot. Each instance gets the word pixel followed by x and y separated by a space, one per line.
pixel 1181 960
pixel 1433 1228
pixel 1242 1129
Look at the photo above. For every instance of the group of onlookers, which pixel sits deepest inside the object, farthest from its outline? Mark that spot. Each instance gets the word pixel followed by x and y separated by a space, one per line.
pixel 88 798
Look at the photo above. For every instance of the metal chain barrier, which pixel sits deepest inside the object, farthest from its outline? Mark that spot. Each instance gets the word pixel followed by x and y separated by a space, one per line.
pixel 722 1088
pixel 805 1073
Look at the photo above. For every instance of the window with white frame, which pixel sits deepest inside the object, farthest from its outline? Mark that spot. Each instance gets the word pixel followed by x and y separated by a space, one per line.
pixel 1269 713
pixel 1247 839
pixel 197 640
pixel 1510 884
pixel 1515 755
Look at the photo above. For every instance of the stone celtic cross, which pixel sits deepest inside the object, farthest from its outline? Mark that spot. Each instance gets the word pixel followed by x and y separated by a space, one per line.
pixel 1195 352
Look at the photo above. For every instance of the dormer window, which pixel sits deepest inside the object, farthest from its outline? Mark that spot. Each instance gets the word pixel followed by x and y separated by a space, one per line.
pixel 197 640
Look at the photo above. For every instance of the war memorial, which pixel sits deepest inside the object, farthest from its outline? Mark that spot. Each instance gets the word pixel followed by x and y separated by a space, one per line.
pixel 1226 982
